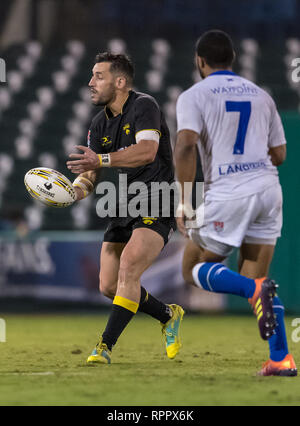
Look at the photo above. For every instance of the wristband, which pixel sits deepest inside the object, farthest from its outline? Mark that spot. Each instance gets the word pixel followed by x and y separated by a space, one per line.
pixel 105 160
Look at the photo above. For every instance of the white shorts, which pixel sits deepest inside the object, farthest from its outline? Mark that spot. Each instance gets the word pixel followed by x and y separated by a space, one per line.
pixel 224 225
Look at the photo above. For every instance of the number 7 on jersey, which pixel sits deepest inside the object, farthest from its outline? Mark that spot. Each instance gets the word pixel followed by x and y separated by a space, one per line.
pixel 244 108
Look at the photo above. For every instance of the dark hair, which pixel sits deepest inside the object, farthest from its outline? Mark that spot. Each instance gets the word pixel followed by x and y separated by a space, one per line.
pixel 119 64
pixel 216 47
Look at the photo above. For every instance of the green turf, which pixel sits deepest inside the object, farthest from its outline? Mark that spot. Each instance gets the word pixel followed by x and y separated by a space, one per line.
pixel 217 365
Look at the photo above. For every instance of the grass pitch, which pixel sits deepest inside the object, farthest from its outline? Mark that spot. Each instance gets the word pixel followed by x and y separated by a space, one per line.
pixel 43 363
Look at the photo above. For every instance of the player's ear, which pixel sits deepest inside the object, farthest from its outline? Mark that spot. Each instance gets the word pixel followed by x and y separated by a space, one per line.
pixel 200 62
pixel 234 57
pixel 121 82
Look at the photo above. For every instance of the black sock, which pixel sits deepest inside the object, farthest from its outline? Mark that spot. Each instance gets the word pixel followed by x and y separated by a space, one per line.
pixel 153 307
pixel 119 318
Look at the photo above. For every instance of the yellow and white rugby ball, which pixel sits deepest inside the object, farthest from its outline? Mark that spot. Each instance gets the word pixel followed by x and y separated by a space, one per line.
pixel 50 187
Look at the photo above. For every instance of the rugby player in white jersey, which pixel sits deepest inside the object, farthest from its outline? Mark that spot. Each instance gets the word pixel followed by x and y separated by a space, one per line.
pixel 241 141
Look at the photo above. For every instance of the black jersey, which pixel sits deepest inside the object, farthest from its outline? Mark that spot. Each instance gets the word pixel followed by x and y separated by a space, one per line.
pixel 110 134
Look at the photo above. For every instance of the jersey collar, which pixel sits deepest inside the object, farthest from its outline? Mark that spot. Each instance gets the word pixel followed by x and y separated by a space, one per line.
pixel 109 114
pixel 225 72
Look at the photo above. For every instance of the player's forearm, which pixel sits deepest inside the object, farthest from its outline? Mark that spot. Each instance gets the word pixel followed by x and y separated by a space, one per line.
pixel 186 167
pixel 85 183
pixel 93 176
pixel 135 156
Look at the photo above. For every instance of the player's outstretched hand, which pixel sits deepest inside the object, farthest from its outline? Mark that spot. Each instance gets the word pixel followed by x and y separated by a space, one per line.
pixel 181 226
pixel 184 213
pixel 84 162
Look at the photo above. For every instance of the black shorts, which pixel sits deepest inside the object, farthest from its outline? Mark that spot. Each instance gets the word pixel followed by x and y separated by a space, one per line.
pixel 120 230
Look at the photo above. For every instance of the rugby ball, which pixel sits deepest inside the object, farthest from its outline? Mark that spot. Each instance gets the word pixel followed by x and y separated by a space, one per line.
pixel 50 187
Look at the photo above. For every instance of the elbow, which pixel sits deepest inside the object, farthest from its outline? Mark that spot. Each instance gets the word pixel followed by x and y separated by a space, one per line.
pixel 150 154
pixel 278 155
pixel 150 158
pixel 278 162
pixel 184 151
pixel 279 159
pixel 282 159
pixel 186 143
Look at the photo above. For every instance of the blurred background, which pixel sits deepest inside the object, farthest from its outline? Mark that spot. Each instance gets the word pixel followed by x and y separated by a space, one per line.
pixel 50 258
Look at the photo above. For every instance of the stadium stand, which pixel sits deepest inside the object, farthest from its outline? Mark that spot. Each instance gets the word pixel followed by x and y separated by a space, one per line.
pixel 4 12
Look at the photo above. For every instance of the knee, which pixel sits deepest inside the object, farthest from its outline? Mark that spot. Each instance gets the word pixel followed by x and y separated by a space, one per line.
pixel 107 288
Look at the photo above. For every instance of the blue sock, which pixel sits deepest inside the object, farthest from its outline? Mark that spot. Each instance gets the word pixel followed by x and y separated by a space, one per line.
pixel 278 343
pixel 216 278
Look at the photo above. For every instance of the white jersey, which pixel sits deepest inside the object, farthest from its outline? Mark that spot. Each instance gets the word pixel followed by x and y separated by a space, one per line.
pixel 237 123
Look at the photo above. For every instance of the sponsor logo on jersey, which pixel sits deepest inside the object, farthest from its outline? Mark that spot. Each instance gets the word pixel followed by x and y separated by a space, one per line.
pixel 106 141
pixel 219 226
pixel 149 220
pixel 126 129
pixel 243 89
pixel 231 169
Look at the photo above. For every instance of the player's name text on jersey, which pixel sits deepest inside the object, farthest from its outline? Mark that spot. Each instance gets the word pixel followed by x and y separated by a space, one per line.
pixel 2 71
pixel 230 169
pixel 2 331
pixel 242 89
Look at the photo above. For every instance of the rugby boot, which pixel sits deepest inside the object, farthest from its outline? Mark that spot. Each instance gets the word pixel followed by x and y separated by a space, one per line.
pixel 285 368
pixel 262 304
pixel 171 331
pixel 100 355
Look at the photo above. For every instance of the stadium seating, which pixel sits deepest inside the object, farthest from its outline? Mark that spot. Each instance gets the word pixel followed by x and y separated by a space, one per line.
pixel 45 108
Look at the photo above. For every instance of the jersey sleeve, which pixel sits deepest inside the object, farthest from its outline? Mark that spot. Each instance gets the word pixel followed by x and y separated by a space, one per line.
pixel 188 113
pixel 276 134
pixel 93 139
pixel 147 116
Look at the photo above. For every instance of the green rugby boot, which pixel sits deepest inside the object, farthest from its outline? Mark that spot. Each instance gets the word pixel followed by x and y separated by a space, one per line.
pixel 171 331
pixel 100 355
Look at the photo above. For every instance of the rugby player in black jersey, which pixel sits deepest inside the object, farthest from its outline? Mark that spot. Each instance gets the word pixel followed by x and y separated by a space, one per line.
pixel 131 135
